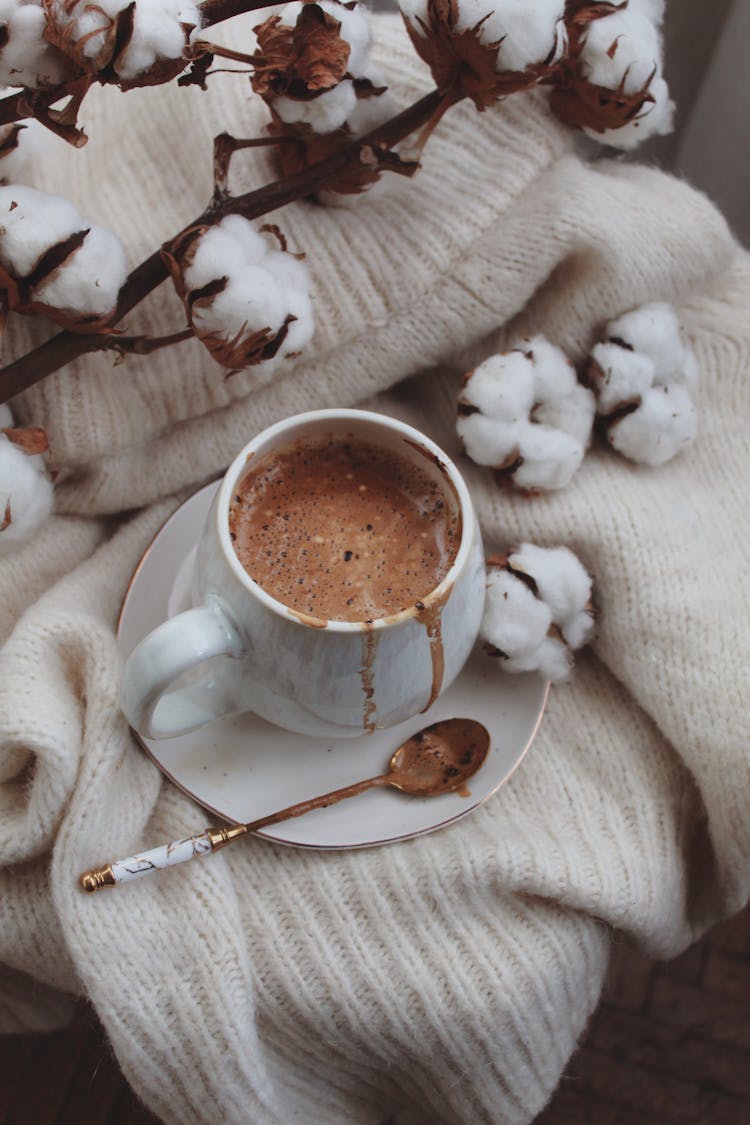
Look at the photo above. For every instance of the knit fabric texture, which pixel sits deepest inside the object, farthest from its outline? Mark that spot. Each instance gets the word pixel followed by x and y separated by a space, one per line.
pixel 450 976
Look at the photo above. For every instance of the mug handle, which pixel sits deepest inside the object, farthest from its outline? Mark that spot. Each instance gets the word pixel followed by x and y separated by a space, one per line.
pixel 173 648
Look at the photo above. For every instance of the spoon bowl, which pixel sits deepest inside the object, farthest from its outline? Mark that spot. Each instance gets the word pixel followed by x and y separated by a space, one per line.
pixel 440 758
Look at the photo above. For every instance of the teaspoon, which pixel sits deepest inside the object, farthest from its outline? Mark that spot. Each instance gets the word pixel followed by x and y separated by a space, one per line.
pixel 436 760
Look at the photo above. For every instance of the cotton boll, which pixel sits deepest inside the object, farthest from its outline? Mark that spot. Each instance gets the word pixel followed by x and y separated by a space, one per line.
pixel 250 241
pixel 554 374
pixel 264 303
pixel 562 581
pixel 549 458
pixel 31 139
pixel 293 280
pixel 625 375
pixel 249 302
pixel 653 329
pixel 528 31
pixel 573 414
pixel 26 495
pixel 214 255
pixel 157 33
pixel 27 59
pixel 488 441
pixel 622 50
pixel 300 330
pixel 6 418
pixel 514 620
pixel 370 112
pixel 223 248
pixel 659 429
pixel 552 660
pixel 90 279
pixel 578 629
pixel 502 387
pixel 654 119
pixel 31 222
pixel 329 111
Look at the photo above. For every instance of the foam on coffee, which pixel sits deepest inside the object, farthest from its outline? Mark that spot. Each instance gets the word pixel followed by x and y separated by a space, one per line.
pixel 343 529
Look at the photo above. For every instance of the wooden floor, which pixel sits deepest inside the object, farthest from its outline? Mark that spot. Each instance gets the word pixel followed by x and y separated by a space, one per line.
pixel 669 1045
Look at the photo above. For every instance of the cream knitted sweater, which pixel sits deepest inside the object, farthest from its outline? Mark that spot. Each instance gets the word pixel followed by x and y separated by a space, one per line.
pixel 450 975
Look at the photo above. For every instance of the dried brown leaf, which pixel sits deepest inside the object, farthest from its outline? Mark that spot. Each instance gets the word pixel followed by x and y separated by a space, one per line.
pixel 29 439
pixel 301 61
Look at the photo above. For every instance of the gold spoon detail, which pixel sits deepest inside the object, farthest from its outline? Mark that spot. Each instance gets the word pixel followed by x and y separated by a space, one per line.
pixel 436 760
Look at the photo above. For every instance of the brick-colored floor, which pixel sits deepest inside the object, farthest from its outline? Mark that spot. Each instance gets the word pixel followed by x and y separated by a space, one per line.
pixel 669 1045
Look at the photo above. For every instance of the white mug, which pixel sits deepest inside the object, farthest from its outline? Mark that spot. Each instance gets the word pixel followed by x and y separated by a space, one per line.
pixel 241 650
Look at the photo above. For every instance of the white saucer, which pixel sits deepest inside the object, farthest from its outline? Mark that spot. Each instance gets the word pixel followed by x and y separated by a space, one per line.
pixel 243 768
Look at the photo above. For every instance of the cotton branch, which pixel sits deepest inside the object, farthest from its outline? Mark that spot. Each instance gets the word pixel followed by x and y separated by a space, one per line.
pixel 67 346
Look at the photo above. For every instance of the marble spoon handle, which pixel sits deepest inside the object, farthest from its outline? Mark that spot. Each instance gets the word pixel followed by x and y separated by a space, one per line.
pixel 210 840
pixel 165 855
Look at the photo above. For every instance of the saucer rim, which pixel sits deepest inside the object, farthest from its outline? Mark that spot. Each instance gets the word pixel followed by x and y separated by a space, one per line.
pixel 264 834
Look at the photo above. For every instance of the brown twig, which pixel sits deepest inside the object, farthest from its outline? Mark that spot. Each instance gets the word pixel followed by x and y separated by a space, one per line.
pixel 225 146
pixel 67 346
pixel 216 11
pixel 142 345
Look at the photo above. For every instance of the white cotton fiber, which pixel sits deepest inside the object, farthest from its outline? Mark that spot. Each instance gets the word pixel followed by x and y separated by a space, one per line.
pixel 514 620
pixel 264 287
pixel 664 423
pixel 552 660
pixel 529 31
pixel 326 112
pixel 293 279
pixel 549 458
pixel 370 112
pixel 625 375
pixel 537 624
pixel 623 50
pixel 26 494
pixel 249 302
pixel 27 59
pixel 31 222
pixel 554 374
pixel 573 414
pixel 654 330
pixel 487 441
pixel 91 278
pixel 561 578
pixel 223 248
pixel 529 403
pixel 502 387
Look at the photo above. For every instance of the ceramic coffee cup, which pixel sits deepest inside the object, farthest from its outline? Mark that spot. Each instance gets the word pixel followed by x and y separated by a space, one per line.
pixel 241 650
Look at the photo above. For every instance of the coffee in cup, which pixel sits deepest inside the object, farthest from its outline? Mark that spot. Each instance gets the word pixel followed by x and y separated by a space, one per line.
pixel 338 586
pixel 344 530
